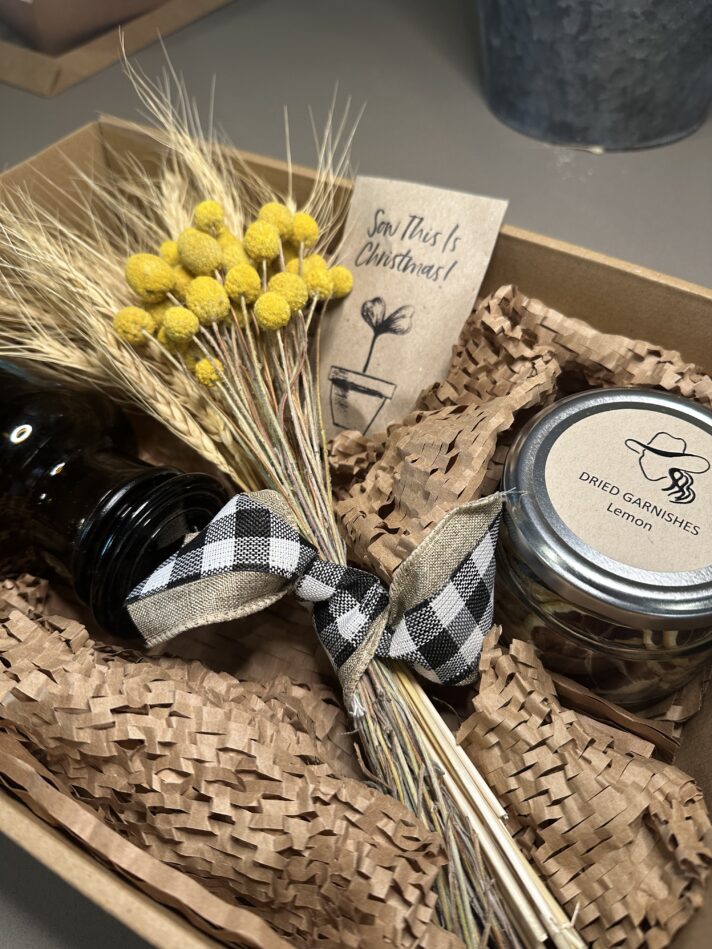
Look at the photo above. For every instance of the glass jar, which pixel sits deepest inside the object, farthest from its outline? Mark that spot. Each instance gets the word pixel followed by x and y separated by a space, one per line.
pixel 605 558
pixel 77 506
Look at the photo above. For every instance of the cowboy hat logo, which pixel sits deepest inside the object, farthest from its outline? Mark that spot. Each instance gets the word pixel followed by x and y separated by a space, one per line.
pixel 665 458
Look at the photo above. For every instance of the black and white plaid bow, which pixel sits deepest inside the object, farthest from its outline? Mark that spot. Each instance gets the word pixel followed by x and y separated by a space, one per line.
pixel 260 555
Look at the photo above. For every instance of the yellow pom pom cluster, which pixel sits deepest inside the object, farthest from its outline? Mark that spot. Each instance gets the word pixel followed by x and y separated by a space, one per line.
pixel 180 324
pixel 272 311
pixel 305 230
pixel 261 241
pixel 209 216
pixel 207 299
pixel 226 237
pixel 199 252
pixel 149 276
pixel 314 260
pixel 278 215
pixel 132 324
pixel 292 288
pixel 343 281
pixel 208 266
pixel 208 371
pixel 168 251
pixel 242 280
pixel 322 281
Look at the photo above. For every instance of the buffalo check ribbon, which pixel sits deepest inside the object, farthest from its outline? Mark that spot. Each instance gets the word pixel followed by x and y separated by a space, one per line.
pixel 433 617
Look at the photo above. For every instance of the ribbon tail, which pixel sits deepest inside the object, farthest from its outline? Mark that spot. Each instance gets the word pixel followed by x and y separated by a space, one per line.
pixel 216 599
pixel 441 601
pixel 246 559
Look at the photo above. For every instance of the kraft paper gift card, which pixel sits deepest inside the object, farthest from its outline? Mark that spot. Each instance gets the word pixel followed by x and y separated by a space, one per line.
pixel 418 255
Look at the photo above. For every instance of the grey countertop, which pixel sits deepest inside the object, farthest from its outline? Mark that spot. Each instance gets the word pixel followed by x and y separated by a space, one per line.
pixel 414 65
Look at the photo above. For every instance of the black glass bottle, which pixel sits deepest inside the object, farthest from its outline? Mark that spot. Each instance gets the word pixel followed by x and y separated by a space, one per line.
pixel 76 504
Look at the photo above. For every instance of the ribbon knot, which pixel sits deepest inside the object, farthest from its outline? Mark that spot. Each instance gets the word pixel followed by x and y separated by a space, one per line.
pixel 434 617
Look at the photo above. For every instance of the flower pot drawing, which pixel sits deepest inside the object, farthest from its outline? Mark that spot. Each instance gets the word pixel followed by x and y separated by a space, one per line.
pixel 356 397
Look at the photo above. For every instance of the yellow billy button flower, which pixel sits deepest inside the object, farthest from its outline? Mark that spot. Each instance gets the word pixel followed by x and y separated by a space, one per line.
pixel 183 280
pixel 200 253
pixel 132 324
pixel 319 282
pixel 305 230
pixel 149 276
pixel 180 324
pixel 226 237
pixel 158 311
pixel 343 281
pixel 272 311
pixel 242 280
pixel 168 251
pixel 233 253
pixel 209 216
pixel 292 288
pixel 275 213
pixel 290 253
pixel 261 241
pixel 208 371
pixel 207 299
pixel 170 344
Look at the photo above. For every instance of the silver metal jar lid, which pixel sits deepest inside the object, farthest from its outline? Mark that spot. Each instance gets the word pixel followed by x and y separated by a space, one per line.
pixel 609 504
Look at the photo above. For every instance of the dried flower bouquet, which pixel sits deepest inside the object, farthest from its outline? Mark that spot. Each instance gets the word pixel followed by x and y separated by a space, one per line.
pixel 195 296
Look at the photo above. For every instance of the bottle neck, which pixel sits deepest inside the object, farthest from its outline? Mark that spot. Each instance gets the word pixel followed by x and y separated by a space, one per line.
pixel 132 532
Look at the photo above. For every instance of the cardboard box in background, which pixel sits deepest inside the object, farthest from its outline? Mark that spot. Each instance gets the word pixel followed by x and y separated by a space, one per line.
pixel 611 295
pixel 52 27
pixel 49 74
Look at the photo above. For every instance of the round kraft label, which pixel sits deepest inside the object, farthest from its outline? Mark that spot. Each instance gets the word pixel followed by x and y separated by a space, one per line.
pixel 636 485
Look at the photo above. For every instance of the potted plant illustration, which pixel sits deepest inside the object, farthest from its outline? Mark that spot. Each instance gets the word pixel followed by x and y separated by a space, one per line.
pixel 356 397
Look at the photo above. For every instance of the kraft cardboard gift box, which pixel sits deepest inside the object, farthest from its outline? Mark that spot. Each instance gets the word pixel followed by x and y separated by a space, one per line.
pixel 611 295
pixel 48 74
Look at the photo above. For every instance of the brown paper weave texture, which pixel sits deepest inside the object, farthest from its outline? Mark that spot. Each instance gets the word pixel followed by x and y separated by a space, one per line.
pixel 624 841
pixel 237 783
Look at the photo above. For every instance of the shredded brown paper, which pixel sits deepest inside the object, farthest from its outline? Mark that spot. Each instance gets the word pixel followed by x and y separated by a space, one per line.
pixel 222 779
pixel 623 841
pixel 236 783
